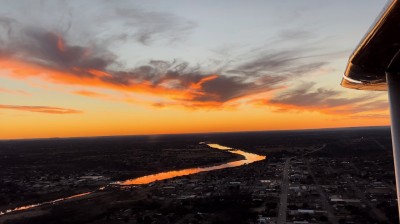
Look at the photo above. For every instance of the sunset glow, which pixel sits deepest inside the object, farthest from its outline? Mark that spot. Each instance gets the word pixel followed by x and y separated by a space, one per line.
pixel 170 69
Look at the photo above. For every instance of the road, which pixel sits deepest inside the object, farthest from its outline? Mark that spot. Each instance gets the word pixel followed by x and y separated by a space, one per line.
pixel 373 210
pixel 285 187
pixel 324 198
pixel 284 193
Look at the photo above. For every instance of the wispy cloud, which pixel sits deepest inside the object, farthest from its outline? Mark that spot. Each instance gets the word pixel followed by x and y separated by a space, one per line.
pixel 41 109
pixel 14 91
pixel 89 93
pixel 49 55
pixel 152 26
pixel 59 55
pixel 305 97
pixel 124 21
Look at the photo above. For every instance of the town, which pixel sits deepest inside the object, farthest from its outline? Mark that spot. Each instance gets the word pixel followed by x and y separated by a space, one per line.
pixel 342 177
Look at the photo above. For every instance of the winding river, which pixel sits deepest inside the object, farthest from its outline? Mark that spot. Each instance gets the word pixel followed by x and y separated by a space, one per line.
pixel 248 158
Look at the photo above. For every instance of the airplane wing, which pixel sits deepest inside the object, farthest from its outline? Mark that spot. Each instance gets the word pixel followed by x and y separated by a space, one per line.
pixel 371 59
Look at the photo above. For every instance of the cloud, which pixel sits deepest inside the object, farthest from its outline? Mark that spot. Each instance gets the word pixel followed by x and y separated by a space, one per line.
pixel 39 53
pixel 6 26
pixel 41 109
pixel 15 92
pixel 89 93
pixel 50 50
pixel 268 62
pixel 123 21
pixel 371 116
pixel 295 34
pixel 58 56
pixel 305 97
pixel 152 26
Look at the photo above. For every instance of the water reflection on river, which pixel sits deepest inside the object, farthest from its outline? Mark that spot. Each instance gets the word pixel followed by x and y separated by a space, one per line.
pixel 248 158
pixel 26 207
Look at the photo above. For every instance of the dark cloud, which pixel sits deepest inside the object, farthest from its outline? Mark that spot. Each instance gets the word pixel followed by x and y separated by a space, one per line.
pixel 94 64
pixel 305 97
pixel 225 88
pixel 208 86
pixel 263 73
pixel 41 109
pixel 124 21
pixel 6 26
pixel 269 62
pixel 283 62
pixel 51 50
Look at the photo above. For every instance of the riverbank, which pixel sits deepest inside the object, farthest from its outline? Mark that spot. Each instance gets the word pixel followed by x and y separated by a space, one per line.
pixel 248 158
pixel 44 170
pixel 172 197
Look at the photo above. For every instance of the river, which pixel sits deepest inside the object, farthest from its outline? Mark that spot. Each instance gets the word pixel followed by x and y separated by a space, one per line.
pixel 248 158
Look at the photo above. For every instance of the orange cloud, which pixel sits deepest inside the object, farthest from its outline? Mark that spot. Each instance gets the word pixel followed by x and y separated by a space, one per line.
pixel 48 56
pixel 304 98
pixel 16 92
pixel 89 93
pixel 186 95
pixel 22 70
pixel 199 84
pixel 60 43
pixel 41 109
pixel 335 110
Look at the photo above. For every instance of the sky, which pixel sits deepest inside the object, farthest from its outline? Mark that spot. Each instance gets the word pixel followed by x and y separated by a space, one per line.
pixel 99 68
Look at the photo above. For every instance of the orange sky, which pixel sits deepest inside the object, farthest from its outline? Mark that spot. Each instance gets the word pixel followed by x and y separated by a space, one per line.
pixel 79 110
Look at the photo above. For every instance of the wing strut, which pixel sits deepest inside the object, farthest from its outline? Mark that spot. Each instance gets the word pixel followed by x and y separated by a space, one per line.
pixel 393 81
pixel 375 65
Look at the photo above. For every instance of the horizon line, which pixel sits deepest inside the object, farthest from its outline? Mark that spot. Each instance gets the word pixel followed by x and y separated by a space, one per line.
pixel 191 133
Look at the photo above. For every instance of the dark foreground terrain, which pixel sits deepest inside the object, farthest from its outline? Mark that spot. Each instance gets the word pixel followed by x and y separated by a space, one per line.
pixel 316 176
pixel 33 171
